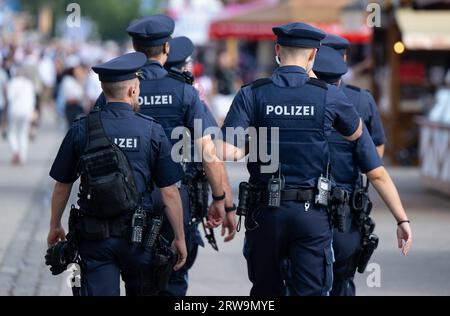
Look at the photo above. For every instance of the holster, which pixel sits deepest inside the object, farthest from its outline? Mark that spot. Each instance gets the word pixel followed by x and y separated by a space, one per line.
pixel 339 208
pixel 155 277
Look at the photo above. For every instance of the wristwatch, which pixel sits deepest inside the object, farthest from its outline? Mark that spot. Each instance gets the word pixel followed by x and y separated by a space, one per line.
pixel 230 209
pixel 219 198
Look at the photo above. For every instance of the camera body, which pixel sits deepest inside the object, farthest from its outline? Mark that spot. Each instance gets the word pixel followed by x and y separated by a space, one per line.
pixel 60 255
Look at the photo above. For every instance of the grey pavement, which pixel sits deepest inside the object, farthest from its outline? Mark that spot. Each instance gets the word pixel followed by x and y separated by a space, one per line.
pixel 25 209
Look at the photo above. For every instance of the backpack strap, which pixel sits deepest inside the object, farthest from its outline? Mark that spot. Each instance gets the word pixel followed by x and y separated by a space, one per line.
pixel 96 134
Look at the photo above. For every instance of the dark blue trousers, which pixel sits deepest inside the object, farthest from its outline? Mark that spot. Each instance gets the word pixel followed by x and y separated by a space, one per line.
pixel 178 283
pixel 289 232
pixel 346 245
pixel 105 261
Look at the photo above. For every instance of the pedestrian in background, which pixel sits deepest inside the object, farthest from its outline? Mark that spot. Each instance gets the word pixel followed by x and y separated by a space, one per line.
pixel 72 89
pixel 21 97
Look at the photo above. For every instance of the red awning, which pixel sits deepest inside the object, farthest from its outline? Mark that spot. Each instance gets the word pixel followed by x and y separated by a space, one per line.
pixel 255 21
pixel 263 31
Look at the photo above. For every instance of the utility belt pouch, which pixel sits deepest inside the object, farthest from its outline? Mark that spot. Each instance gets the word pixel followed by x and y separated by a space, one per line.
pixel 245 199
pixel 339 208
pixel 93 229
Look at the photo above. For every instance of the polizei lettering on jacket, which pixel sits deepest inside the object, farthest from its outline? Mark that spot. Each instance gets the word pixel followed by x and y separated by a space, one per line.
pixel 290 111
pixel 127 143
pixel 162 99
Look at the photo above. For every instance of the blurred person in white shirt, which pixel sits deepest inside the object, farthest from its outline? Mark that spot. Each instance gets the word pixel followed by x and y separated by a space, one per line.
pixel 47 72
pixel 72 89
pixel 21 97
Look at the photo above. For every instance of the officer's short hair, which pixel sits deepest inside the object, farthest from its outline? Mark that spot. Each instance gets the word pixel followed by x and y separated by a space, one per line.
pixel 295 51
pixel 149 51
pixel 116 90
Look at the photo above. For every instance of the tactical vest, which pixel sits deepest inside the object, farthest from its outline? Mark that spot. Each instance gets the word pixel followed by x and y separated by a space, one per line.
pixel 299 113
pixel 162 99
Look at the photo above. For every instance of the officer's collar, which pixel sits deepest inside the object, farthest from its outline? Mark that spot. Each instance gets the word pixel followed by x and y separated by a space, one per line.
pixel 291 68
pixel 117 106
pixel 153 70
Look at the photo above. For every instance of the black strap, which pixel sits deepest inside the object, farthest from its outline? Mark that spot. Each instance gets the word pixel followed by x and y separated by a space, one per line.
pixel 318 83
pixel 96 134
pixel 261 82
pixel 294 195
pixel 358 89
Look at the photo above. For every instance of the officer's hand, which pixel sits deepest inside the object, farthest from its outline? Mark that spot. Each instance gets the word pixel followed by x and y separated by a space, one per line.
pixel 179 245
pixel 229 223
pixel 404 237
pixel 55 234
pixel 216 214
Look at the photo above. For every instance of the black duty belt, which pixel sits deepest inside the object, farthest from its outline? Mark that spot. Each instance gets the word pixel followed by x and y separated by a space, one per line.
pixel 294 195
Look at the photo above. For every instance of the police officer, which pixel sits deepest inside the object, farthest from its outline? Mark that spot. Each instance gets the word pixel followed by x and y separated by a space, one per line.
pixel 361 98
pixel 175 103
pixel 304 110
pixel 148 151
pixel 180 58
pixel 179 63
pixel 348 159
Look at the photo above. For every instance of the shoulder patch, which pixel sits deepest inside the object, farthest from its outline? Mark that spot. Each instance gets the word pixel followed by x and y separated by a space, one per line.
pixel 354 87
pixel 260 82
pixel 317 82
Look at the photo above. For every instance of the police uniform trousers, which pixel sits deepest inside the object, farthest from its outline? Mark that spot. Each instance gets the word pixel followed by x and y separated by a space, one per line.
pixel 347 246
pixel 106 260
pixel 178 283
pixel 291 232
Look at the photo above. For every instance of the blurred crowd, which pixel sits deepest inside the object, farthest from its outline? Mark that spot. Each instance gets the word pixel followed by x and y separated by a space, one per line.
pixel 58 75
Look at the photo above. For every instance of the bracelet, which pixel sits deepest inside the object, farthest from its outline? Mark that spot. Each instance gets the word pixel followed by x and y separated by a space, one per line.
pixel 219 198
pixel 230 209
pixel 401 222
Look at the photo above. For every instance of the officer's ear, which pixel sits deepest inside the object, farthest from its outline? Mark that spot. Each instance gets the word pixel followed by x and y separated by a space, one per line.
pixel 166 48
pixel 277 49
pixel 312 55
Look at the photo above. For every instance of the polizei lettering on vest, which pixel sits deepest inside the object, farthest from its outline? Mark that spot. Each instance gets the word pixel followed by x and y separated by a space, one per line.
pixel 290 110
pixel 164 99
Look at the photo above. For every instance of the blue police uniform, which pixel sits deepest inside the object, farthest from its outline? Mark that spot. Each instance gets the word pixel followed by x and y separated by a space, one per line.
pixel 305 111
pixel 148 150
pixel 348 159
pixel 173 103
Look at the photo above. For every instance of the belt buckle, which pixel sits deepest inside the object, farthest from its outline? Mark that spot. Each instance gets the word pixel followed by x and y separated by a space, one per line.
pixel 178 184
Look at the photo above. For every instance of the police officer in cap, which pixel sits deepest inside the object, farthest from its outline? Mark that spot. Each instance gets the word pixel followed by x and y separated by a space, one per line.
pixel 304 111
pixel 180 58
pixel 176 104
pixel 361 98
pixel 348 159
pixel 110 254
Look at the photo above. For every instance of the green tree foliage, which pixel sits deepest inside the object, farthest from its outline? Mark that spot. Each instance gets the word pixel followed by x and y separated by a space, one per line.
pixel 111 16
